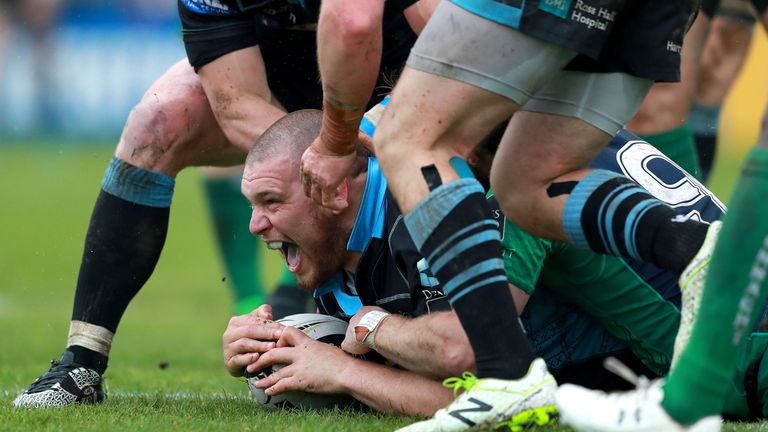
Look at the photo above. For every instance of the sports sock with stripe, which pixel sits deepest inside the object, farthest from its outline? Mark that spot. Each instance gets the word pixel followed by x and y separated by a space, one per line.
pixel 610 214
pixel 123 243
pixel 456 233
pixel 230 214
pixel 734 294
pixel 678 145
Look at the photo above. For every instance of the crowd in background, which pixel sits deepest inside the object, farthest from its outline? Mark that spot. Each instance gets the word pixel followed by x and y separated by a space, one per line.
pixel 76 67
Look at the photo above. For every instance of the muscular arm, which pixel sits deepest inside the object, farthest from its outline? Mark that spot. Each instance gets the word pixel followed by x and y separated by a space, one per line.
pixel 236 86
pixel 433 345
pixel 349 45
pixel 393 390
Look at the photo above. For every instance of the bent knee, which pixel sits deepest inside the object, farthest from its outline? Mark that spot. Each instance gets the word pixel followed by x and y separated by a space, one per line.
pixel 515 193
pixel 386 144
pixel 162 126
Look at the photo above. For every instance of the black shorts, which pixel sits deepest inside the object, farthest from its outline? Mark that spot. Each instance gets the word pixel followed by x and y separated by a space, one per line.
pixel 641 37
pixel 290 56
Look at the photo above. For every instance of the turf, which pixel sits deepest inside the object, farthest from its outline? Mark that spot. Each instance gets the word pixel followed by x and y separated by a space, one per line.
pixel 176 321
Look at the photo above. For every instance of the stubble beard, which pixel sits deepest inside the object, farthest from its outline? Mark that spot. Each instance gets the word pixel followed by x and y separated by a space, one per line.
pixel 327 258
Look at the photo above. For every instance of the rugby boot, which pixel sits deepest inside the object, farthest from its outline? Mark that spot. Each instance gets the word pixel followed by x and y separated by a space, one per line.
pixel 637 410
pixel 65 383
pixel 493 403
pixel 691 284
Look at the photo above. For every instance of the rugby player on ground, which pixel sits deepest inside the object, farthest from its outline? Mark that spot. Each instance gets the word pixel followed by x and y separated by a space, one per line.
pixel 366 252
pixel 248 62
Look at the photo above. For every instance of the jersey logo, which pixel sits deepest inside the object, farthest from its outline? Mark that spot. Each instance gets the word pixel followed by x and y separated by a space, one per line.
pixel 558 8
pixel 214 7
pixel 426 277
pixel 498 216
pixel 480 406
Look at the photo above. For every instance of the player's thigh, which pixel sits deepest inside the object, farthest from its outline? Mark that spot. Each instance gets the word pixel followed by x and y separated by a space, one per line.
pixel 172 127
pixel 563 128
pixel 464 76
pixel 462 46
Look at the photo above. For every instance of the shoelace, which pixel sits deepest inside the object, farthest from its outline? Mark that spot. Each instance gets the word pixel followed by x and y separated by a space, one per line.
pixel 466 382
pixel 617 367
pixel 51 376
pixel 641 383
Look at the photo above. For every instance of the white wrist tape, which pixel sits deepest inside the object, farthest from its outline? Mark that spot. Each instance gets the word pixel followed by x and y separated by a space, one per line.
pixel 365 330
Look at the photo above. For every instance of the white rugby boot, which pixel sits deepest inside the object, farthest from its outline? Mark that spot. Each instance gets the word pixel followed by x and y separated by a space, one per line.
pixel 637 410
pixel 691 284
pixel 487 403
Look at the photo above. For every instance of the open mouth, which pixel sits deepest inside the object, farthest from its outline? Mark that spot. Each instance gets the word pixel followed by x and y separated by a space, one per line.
pixel 290 252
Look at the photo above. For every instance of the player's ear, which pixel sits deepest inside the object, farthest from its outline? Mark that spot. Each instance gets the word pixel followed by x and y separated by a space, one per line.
pixel 342 194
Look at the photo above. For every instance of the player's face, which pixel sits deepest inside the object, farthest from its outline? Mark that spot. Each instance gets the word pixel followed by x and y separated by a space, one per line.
pixel 308 236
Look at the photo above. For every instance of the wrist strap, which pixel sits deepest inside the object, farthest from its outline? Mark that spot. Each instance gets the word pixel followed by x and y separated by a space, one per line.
pixel 365 330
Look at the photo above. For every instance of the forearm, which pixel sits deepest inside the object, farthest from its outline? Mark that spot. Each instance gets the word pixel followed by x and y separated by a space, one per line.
pixel 433 345
pixel 393 390
pixel 349 54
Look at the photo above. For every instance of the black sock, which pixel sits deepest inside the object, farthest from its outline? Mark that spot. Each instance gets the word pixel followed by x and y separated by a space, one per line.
pixel 88 358
pixel 122 247
pixel 455 231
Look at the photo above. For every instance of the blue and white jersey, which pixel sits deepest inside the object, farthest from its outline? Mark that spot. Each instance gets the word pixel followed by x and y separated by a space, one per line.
pixel 391 272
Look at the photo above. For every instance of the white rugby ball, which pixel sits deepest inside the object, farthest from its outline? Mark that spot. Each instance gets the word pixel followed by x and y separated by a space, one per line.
pixel 322 328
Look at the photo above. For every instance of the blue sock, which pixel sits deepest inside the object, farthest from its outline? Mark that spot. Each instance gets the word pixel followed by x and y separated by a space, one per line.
pixel 138 185
pixel 610 214
pixel 456 233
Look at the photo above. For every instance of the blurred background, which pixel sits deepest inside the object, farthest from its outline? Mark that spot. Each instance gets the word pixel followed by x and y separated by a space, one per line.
pixel 70 71
pixel 74 68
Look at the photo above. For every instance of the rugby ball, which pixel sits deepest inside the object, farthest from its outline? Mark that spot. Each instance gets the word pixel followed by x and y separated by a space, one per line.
pixel 322 328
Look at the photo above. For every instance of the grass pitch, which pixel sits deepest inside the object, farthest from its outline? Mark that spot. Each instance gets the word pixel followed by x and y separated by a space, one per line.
pixel 48 190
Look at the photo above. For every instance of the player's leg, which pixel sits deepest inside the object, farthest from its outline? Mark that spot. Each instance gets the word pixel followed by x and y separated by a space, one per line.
pixel 662 119
pixel 723 55
pixel 603 211
pixel 422 140
pixel 740 261
pixel 734 293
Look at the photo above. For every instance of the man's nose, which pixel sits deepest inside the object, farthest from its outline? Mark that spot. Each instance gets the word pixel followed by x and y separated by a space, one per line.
pixel 259 222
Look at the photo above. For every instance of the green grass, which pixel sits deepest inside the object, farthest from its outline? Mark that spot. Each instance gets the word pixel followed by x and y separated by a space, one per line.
pixel 48 190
